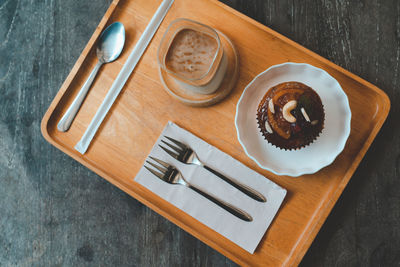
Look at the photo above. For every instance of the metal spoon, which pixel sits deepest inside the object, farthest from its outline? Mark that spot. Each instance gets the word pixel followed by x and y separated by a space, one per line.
pixel 110 45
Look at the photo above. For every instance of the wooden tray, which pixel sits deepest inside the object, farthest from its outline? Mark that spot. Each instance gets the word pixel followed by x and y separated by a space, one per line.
pixel 143 108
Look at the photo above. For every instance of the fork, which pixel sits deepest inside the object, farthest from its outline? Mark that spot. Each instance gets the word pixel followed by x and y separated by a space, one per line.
pixel 172 175
pixel 185 154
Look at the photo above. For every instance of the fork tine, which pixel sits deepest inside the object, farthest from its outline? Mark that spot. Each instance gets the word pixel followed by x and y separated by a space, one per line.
pixel 172 154
pixel 159 161
pixel 177 149
pixel 156 173
pixel 176 142
pixel 161 169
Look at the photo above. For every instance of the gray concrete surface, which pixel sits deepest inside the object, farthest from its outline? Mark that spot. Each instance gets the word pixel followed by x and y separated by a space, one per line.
pixel 55 212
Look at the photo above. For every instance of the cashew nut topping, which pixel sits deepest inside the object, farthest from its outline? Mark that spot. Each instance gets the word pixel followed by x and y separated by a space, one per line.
pixel 314 122
pixel 287 108
pixel 269 129
pixel 271 106
pixel 303 111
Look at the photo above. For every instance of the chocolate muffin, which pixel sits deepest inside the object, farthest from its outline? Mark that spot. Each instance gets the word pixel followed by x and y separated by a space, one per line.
pixel 290 115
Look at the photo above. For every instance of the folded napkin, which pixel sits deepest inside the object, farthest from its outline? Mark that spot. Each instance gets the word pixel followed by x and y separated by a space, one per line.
pixel 245 234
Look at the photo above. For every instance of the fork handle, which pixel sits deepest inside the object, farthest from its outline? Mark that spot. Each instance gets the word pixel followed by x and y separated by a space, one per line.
pixel 245 189
pixel 228 207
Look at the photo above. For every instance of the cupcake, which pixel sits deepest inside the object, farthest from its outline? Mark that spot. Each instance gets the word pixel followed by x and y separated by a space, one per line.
pixel 290 115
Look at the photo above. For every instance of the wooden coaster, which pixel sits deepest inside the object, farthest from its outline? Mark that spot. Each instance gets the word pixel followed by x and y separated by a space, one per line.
pixel 200 100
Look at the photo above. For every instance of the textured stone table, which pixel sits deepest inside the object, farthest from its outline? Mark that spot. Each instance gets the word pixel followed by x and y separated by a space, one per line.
pixel 54 211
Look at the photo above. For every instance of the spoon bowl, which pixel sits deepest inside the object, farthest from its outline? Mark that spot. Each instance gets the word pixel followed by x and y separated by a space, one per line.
pixel 109 47
pixel 111 43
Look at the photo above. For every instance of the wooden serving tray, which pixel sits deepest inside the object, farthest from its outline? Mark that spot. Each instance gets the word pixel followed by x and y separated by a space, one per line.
pixel 143 108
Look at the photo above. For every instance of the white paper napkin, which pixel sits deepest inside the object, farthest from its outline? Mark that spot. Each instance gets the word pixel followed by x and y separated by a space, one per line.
pixel 245 234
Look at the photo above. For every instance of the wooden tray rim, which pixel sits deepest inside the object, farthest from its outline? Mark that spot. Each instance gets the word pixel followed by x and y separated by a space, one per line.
pixel 322 213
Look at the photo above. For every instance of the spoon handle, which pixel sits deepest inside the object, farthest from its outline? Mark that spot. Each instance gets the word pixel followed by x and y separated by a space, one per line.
pixel 66 120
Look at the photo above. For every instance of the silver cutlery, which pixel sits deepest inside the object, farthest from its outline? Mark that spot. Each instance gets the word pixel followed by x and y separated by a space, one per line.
pixel 172 175
pixel 110 45
pixel 123 75
pixel 185 154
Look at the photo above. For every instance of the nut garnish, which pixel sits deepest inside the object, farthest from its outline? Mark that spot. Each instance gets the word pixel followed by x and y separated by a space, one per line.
pixel 287 108
pixel 268 128
pixel 271 106
pixel 303 111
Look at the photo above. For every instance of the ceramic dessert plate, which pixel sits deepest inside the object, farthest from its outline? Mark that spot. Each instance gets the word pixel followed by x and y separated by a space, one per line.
pixel 313 157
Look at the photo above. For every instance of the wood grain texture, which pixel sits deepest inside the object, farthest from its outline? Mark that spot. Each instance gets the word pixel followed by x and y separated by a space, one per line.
pixel 67 217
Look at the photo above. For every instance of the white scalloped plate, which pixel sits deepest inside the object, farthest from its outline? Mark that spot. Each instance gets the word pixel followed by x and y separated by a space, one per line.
pixel 318 154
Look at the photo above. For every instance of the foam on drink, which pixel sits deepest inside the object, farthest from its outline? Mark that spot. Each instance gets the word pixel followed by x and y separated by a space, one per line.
pixel 191 54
